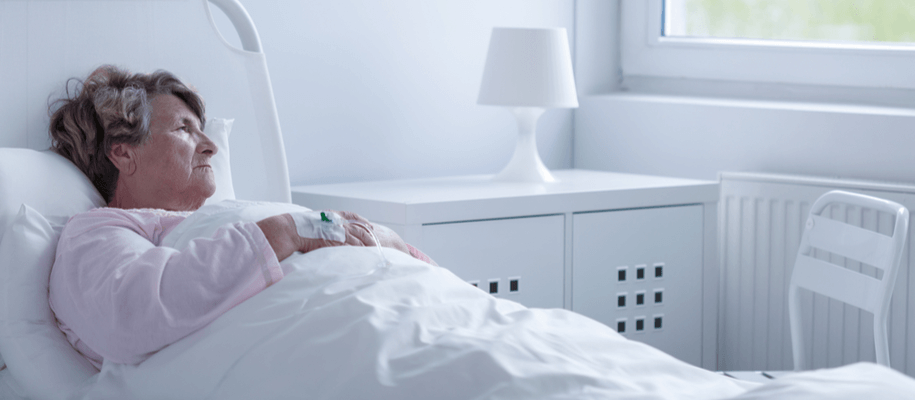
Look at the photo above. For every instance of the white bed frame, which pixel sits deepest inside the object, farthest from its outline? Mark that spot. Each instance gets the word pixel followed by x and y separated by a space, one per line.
pixel 43 43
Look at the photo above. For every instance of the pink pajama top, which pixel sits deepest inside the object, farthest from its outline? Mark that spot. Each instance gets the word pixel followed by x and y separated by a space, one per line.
pixel 119 296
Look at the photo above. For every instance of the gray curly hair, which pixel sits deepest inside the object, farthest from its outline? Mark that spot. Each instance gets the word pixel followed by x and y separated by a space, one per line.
pixel 109 107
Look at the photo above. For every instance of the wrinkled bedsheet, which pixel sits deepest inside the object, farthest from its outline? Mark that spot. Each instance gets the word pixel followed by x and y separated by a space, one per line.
pixel 342 325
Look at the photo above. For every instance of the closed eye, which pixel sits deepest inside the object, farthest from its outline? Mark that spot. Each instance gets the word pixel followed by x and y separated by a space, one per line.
pixel 188 125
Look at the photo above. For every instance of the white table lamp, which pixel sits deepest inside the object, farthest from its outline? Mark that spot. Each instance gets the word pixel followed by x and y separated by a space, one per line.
pixel 528 70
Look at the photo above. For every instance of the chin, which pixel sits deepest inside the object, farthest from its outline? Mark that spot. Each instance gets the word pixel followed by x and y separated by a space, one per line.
pixel 208 189
pixel 195 202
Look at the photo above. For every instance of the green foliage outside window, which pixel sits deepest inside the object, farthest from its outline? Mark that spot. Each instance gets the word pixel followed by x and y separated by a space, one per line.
pixel 830 20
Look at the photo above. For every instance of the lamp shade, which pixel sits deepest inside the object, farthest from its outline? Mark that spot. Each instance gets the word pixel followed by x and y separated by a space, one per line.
pixel 528 67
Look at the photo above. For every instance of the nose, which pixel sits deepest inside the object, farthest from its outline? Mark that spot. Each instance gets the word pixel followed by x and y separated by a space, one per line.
pixel 207 146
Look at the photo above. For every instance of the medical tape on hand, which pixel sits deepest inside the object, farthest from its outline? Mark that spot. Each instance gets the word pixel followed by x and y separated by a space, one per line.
pixel 325 225
pixel 329 226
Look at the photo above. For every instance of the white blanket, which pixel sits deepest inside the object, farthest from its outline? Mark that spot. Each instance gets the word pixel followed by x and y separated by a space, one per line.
pixel 342 326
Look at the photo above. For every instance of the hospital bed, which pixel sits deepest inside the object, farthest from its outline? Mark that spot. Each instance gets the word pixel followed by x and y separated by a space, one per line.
pixel 344 322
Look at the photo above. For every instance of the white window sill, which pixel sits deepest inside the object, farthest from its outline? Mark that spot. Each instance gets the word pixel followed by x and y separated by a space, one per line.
pixel 823 107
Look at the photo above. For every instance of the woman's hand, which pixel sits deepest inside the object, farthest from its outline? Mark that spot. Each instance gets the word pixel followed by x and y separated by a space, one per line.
pixel 389 238
pixel 385 235
pixel 356 235
pixel 281 233
pixel 283 237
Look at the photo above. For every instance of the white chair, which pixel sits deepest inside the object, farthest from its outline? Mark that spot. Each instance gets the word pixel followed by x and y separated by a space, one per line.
pixel 840 283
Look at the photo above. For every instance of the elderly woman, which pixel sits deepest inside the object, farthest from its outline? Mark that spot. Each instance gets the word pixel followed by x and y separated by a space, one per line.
pixel 117 294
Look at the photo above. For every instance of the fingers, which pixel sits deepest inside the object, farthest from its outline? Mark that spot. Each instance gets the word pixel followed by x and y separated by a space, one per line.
pixel 360 233
pixel 352 216
pixel 352 236
pixel 357 234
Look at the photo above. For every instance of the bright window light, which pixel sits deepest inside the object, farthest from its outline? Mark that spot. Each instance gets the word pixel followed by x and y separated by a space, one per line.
pixel 888 21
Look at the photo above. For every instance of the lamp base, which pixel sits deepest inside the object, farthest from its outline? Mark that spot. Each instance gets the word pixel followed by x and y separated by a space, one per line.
pixel 525 164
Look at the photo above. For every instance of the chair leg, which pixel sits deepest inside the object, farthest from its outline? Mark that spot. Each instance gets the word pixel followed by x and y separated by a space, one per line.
pixel 881 343
pixel 798 350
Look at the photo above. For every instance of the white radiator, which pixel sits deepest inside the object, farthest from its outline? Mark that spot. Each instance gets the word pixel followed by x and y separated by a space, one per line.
pixel 760 221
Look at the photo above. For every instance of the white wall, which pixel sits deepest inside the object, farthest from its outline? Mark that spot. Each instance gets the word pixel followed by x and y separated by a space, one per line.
pixel 698 136
pixel 369 89
pixel 597 54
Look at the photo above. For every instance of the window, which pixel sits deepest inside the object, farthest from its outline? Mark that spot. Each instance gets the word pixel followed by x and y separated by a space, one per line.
pixel 770 41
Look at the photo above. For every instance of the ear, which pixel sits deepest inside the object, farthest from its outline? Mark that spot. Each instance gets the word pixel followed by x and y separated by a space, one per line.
pixel 124 158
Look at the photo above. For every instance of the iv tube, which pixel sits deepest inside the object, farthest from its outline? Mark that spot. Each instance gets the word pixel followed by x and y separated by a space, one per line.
pixel 384 259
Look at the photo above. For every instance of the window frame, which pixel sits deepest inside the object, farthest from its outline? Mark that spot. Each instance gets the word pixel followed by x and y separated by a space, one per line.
pixel 645 52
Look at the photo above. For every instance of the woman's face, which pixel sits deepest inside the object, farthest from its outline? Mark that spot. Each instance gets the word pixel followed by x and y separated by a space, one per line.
pixel 174 164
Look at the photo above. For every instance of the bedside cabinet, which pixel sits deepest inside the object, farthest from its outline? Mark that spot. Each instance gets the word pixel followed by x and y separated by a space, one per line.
pixel 634 252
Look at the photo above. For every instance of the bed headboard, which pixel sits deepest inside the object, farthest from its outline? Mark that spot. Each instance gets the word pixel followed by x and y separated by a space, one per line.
pixel 45 42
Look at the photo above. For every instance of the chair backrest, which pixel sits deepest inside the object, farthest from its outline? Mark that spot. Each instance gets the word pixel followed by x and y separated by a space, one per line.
pixel 819 275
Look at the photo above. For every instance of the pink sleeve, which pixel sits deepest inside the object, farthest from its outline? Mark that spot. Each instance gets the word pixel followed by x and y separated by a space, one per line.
pixel 125 298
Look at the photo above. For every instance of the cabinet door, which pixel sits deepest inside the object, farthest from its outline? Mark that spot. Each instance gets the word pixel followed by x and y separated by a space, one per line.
pixel 640 272
pixel 494 253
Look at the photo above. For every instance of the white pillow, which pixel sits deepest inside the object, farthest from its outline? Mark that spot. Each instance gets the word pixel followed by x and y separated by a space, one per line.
pixel 38 354
pixel 45 181
pixel 218 129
